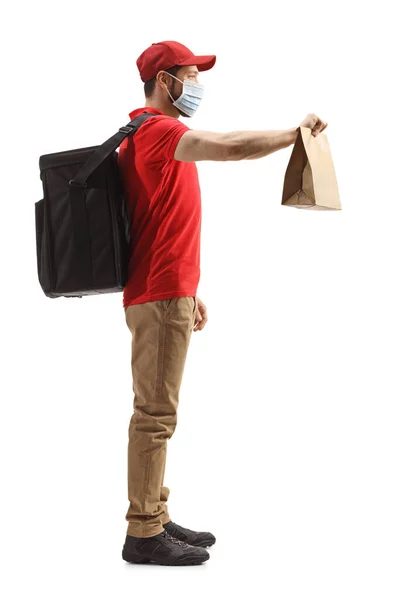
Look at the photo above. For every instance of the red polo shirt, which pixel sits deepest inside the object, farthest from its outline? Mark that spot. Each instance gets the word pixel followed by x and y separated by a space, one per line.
pixel 164 201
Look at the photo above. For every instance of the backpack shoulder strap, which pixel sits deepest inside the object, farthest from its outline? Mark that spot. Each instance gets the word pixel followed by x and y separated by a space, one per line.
pixel 103 151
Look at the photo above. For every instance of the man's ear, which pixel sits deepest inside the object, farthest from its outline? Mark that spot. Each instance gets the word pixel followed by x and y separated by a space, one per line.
pixel 162 80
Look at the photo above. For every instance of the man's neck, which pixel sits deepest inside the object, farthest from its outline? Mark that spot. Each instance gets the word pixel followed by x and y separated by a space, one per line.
pixel 167 109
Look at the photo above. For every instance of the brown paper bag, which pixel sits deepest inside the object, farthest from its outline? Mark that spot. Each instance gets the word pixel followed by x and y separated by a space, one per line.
pixel 310 180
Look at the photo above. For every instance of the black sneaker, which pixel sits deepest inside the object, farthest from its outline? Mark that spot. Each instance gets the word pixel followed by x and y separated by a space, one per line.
pixel 195 538
pixel 162 549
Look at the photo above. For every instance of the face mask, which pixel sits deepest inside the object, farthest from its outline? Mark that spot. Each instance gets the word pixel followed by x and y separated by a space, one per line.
pixel 189 101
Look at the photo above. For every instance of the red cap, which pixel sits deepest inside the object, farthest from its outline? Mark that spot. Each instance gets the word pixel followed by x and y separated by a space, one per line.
pixel 164 55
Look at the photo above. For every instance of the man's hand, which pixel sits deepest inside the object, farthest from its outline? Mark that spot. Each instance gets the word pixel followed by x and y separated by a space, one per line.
pixel 201 315
pixel 314 123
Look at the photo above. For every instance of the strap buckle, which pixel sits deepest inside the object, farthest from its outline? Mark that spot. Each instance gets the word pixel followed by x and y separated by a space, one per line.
pixel 126 129
pixel 72 183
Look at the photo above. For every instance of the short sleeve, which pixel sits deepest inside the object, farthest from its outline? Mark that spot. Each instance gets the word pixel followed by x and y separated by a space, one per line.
pixel 159 138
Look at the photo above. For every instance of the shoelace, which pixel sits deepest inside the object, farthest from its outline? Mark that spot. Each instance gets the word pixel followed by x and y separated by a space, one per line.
pixel 173 539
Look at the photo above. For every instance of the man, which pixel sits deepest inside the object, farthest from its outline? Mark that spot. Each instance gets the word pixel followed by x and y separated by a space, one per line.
pixel 159 173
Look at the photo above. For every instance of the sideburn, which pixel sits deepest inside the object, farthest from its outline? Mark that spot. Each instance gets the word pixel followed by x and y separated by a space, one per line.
pixel 172 90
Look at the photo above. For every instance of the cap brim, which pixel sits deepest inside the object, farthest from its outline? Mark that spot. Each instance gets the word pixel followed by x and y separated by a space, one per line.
pixel 203 63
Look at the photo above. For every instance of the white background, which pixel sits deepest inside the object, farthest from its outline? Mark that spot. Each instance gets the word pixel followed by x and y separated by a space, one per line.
pixel 287 444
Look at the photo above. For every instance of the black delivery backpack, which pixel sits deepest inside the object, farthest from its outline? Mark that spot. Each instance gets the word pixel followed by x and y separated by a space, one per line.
pixel 83 229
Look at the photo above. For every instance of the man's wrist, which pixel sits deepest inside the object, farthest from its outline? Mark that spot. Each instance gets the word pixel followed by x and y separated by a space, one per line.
pixel 292 135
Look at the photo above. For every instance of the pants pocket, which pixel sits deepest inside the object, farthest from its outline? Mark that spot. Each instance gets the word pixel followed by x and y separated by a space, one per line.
pixel 167 305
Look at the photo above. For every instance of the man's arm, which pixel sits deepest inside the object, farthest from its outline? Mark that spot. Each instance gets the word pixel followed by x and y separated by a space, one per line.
pixel 196 145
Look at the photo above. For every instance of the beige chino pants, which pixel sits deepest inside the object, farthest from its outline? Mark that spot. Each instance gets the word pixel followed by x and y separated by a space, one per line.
pixel 161 332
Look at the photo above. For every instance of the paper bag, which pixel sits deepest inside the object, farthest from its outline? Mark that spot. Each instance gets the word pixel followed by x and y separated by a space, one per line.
pixel 310 180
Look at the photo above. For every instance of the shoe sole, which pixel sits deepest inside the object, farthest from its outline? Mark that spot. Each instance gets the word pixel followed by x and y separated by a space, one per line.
pixel 205 543
pixel 138 560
